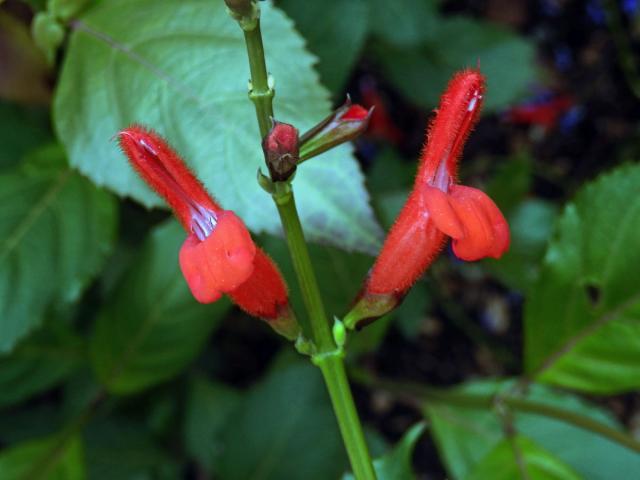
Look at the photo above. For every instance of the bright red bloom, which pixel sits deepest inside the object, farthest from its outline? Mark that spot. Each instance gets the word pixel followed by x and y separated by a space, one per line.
pixel 437 207
pixel 217 256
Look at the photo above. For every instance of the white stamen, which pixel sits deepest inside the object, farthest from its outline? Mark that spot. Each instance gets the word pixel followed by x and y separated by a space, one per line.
pixel 147 147
pixel 474 101
pixel 203 222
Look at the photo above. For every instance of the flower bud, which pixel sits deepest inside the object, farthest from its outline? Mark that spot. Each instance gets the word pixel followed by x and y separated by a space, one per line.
pixel 344 124
pixel 240 7
pixel 281 151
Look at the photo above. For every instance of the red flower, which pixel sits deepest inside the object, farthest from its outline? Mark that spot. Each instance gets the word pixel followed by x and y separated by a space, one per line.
pixel 217 256
pixel 437 207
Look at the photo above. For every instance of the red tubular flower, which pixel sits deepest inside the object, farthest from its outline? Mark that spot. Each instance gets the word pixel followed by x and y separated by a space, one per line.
pixel 219 255
pixel 437 207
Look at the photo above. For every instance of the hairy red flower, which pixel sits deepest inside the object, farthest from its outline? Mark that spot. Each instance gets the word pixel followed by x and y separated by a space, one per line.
pixel 218 254
pixel 437 207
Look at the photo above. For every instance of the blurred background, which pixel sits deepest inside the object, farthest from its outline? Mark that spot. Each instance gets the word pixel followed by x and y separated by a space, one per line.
pixel 561 107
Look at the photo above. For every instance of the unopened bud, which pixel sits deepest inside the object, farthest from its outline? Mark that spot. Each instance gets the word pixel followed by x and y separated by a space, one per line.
pixel 281 151
pixel 344 124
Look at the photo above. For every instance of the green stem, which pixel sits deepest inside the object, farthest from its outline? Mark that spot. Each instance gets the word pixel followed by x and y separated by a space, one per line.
pixel 327 356
pixel 517 404
pixel 622 43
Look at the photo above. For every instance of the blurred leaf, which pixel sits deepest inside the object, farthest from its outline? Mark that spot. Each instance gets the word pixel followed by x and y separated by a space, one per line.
pixel 117 448
pixel 183 71
pixel 57 230
pixel 582 318
pixel 390 172
pixel 390 205
pixel 286 429
pixel 403 22
pixel 413 310
pixel 335 31
pixel 511 182
pixel 396 464
pixel 153 327
pixel 21 129
pixel 33 460
pixel 210 409
pixel 531 224
pixel 421 74
pixel 465 435
pixel 537 463
pixel 24 70
pixel 27 421
pixel 38 364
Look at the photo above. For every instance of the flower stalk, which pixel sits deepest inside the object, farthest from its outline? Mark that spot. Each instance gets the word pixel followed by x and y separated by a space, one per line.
pixel 327 355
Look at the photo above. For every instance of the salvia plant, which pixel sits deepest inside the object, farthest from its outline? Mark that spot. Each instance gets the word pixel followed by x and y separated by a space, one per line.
pixel 151 104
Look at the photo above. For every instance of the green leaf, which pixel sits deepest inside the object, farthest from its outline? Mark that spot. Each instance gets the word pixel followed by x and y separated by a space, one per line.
pixel 21 128
pixel 531 224
pixel 285 429
pixel 34 460
pixel 119 448
pixel 153 327
pixel 209 410
pixel 582 318
pixel 403 22
pixel 537 463
pixel 183 71
pixel 335 32
pixel 57 230
pixel 465 435
pixel 396 464
pixel 422 73
pixel 38 364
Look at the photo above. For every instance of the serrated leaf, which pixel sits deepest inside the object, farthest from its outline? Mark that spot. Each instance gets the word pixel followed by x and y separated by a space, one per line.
pixel 396 464
pixel 34 460
pixel 153 327
pixel 38 364
pixel 56 230
pixel 466 434
pixel 533 462
pixel 285 429
pixel 421 73
pixel 183 71
pixel 582 318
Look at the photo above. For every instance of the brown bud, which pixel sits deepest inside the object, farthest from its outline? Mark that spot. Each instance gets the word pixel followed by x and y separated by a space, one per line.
pixel 281 151
pixel 240 7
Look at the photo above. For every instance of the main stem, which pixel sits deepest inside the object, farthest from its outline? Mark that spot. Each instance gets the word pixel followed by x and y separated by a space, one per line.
pixel 328 357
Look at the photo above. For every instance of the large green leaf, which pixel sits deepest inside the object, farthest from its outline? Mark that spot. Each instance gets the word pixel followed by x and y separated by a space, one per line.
pixel 153 327
pixel 181 68
pixel 285 429
pixel 582 319
pixel 335 32
pixel 402 22
pixel 421 73
pixel 52 458
pixel 466 434
pixel 38 364
pixel 534 463
pixel 56 230
pixel 20 129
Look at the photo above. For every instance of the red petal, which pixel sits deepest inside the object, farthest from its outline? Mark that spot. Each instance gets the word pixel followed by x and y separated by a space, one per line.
pixel 442 213
pixel 486 230
pixel 264 294
pixel 412 244
pixel 221 262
